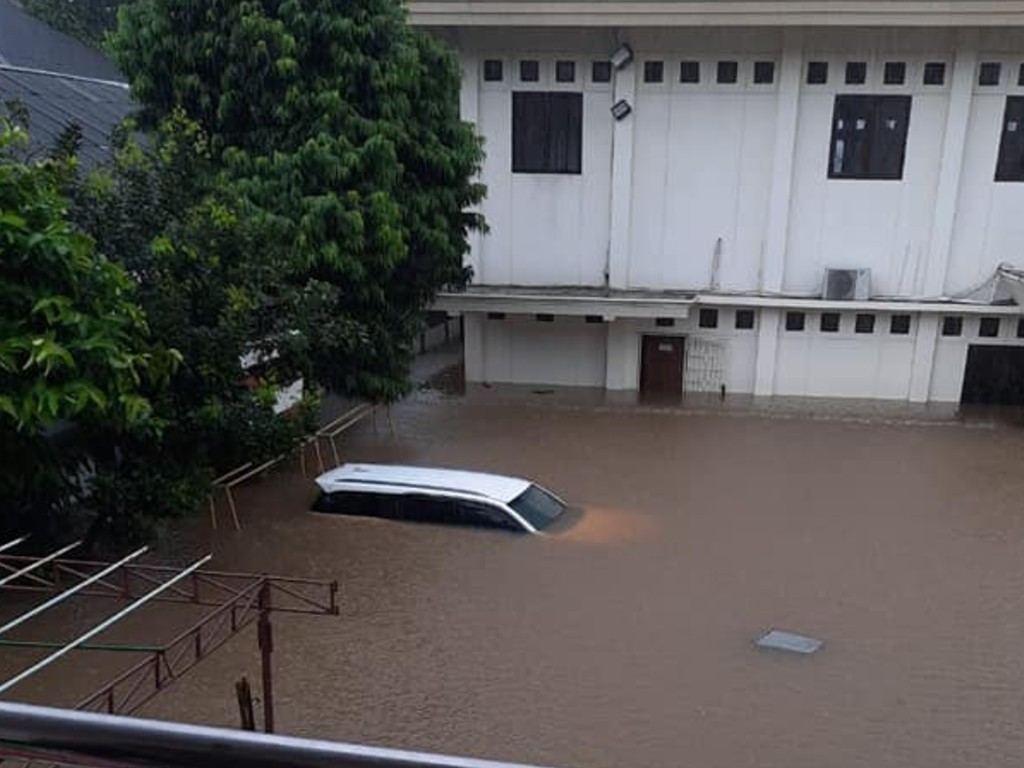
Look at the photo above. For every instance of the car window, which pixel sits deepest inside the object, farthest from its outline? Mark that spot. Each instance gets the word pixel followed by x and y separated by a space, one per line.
pixel 355 503
pixel 537 506
pixel 422 508
pixel 487 516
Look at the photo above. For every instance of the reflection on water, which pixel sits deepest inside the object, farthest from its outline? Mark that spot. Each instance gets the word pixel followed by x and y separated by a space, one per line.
pixel 626 638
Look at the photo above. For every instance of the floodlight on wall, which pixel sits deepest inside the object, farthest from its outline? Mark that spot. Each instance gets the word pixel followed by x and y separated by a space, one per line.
pixel 620 109
pixel 622 56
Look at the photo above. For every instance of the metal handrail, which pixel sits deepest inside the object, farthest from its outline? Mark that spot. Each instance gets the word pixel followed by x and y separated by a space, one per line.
pixel 59 734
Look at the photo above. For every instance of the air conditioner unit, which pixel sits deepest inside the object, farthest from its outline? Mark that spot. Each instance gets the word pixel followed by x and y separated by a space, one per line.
pixel 847 285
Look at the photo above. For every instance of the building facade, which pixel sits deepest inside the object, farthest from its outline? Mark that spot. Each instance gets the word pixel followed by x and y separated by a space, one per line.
pixel 790 198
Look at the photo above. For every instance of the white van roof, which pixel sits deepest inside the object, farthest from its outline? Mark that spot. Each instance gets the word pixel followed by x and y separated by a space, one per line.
pixel 495 487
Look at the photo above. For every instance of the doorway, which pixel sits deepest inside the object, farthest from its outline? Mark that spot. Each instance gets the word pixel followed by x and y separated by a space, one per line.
pixel 994 375
pixel 661 366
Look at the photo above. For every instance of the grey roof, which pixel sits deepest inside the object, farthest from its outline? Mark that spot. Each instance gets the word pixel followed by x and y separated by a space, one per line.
pixel 59 81
pixel 54 101
pixel 27 42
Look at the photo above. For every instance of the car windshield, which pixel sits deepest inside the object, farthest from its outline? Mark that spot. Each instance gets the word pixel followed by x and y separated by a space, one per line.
pixel 537 507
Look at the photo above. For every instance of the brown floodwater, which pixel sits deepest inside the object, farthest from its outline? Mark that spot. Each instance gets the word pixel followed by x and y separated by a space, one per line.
pixel 627 639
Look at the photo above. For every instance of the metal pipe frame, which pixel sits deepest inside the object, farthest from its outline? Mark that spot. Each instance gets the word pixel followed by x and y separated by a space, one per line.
pixel 60 598
pixel 63 736
pixel 40 562
pixel 12 544
pixel 103 626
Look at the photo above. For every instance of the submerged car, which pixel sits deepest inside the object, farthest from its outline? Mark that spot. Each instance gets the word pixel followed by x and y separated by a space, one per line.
pixel 433 495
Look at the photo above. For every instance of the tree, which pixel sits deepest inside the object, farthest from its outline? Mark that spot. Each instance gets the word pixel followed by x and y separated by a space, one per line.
pixel 86 20
pixel 209 291
pixel 338 127
pixel 76 358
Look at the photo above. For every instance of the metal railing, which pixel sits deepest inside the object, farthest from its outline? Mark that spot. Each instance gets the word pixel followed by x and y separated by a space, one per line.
pixel 86 739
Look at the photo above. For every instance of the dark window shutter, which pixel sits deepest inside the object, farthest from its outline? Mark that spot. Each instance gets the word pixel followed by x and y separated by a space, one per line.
pixel 1010 164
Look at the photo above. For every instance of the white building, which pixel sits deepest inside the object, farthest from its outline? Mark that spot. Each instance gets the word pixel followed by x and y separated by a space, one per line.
pixel 665 222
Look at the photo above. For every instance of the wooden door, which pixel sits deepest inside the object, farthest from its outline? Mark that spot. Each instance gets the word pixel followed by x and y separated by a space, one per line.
pixel 661 366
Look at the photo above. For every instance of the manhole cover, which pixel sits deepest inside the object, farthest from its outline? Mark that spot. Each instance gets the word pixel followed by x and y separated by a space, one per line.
pixel 778 640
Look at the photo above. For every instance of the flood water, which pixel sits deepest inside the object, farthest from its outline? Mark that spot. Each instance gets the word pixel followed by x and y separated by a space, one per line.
pixel 627 640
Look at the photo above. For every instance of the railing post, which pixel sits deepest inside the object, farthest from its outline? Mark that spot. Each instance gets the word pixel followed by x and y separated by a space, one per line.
pixel 266 640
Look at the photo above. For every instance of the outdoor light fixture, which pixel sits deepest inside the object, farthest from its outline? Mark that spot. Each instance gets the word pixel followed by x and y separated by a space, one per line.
pixel 620 109
pixel 622 56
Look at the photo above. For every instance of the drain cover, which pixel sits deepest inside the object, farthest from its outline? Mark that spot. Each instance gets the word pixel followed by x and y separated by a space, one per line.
pixel 786 641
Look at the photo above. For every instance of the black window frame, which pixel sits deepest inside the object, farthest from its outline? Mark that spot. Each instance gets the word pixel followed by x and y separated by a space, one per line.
pixel 727 72
pixel 873 156
pixel 899 324
pixel 1020 328
pixel 565 71
pixel 549 158
pixel 829 322
pixel 529 71
pixel 600 71
pixel 747 321
pixel 764 72
pixel 707 317
pixel 796 321
pixel 856 73
pixel 494 70
pixel 894 73
pixel 817 72
pixel 934 73
pixel 864 323
pixel 1010 159
pixel 988 327
pixel 990 73
pixel 689 71
pixel 654 71
pixel 952 325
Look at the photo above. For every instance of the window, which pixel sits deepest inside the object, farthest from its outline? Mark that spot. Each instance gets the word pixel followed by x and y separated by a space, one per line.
pixel 537 507
pixel 988 73
pixel 601 71
pixel 594 319
pixel 728 71
pixel 529 71
pixel 744 319
pixel 794 321
pixel 764 72
pixel 856 72
pixel 654 71
pixel 864 324
pixel 829 322
pixel 495 315
pixel 565 71
pixel 895 73
pixel 988 327
pixel 817 72
pixel 1010 162
pixel 689 72
pixel 869 136
pixel 543 318
pixel 899 325
pixel 1020 75
pixel 427 509
pixel 1020 328
pixel 547 132
pixel 493 71
pixel 952 326
pixel 934 73
pixel 708 318
pixel 485 516
pixel 664 322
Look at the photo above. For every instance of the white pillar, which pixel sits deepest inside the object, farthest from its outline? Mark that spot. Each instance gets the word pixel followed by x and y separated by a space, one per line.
pixel 773 262
pixel 473 346
pixel 622 179
pixel 469 110
pixel 923 358
pixel 767 352
pixel 965 64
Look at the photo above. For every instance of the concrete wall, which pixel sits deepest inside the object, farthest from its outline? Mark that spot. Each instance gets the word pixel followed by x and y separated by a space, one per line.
pixel 704 158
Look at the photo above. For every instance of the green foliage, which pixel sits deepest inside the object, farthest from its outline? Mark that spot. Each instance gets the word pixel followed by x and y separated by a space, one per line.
pixel 75 354
pixel 86 20
pixel 338 127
